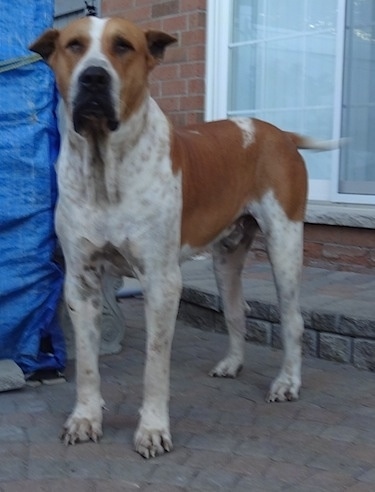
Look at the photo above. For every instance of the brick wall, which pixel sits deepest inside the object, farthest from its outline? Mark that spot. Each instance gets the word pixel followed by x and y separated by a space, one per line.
pixel 350 249
pixel 178 83
pixel 341 248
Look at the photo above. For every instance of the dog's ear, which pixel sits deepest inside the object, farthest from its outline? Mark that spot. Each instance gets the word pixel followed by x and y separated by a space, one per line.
pixel 45 44
pixel 157 41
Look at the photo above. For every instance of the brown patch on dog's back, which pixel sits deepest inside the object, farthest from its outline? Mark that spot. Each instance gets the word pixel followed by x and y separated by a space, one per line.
pixel 217 187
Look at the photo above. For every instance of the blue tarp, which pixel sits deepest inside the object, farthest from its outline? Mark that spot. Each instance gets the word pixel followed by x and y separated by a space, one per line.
pixel 30 279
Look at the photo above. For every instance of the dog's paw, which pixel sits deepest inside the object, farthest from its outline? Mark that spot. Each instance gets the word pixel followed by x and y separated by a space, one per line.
pixel 81 429
pixel 152 442
pixel 284 388
pixel 230 367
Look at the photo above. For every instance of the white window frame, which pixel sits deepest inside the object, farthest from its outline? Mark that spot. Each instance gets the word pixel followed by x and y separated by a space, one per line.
pixel 219 13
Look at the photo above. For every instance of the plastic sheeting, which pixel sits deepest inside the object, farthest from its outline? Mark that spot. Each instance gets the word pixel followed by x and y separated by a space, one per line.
pixel 30 279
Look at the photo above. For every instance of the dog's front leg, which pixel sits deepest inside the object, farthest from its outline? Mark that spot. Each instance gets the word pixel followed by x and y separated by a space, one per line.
pixel 162 295
pixel 83 299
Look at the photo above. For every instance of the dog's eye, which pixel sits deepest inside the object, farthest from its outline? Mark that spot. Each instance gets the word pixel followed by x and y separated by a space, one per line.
pixel 121 46
pixel 75 46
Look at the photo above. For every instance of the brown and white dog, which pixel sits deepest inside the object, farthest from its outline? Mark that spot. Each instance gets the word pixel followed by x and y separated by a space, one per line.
pixel 138 196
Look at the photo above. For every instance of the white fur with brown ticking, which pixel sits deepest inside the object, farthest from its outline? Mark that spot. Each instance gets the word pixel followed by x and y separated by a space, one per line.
pixel 137 196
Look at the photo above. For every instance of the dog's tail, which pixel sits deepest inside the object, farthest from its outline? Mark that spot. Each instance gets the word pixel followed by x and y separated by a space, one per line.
pixel 303 142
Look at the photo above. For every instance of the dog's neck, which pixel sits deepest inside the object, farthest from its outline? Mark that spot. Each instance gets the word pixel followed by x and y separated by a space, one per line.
pixel 100 159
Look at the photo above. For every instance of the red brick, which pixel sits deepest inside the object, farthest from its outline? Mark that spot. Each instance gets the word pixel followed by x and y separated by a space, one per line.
pixel 144 2
pixel 166 72
pixel 353 236
pixel 169 104
pixel 176 55
pixel 336 245
pixel 191 70
pixel 165 8
pixel 196 86
pixel 197 20
pixel 341 251
pixel 197 36
pixel 151 24
pixel 188 5
pixel 138 15
pixel 195 117
pixel 192 102
pixel 178 118
pixel 155 89
pixel 196 53
pixel 110 6
pixel 175 23
pixel 312 250
pixel 174 87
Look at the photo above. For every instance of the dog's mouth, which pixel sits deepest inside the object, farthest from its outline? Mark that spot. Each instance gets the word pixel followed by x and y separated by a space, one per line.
pixel 93 114
pixel 93 109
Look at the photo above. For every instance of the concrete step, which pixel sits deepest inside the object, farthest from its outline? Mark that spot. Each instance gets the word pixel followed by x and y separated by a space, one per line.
pixel 338 310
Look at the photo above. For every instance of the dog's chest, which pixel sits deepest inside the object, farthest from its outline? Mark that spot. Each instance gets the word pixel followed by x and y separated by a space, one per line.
pixel 122 236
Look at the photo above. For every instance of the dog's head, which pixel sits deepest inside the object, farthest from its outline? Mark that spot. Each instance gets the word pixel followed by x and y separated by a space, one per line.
pixel 101 68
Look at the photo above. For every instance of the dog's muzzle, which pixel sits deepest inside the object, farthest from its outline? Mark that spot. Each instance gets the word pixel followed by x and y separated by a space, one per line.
pixel 93 108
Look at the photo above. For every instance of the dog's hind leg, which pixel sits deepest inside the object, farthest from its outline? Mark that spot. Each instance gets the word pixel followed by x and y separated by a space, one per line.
pixel 229 256
pixel 284 239
pixel 285 252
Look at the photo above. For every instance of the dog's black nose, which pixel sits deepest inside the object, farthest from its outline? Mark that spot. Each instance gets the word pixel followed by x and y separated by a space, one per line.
pixel 94 78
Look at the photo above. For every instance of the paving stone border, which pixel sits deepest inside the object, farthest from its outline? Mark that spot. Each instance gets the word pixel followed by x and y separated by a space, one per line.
pixel 328 335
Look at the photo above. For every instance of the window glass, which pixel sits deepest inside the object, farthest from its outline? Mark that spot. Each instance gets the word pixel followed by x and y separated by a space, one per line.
pixel 357 167
pixel 282 66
